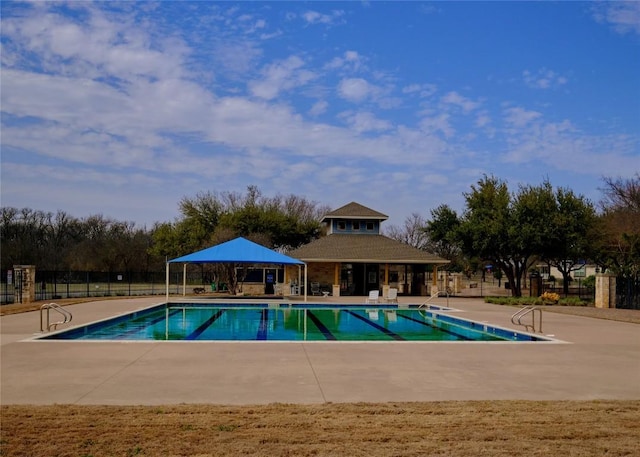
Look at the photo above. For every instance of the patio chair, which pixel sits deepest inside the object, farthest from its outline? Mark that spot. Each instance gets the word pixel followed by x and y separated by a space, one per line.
pixel 392 296
pixel 315 288
pixel 373 296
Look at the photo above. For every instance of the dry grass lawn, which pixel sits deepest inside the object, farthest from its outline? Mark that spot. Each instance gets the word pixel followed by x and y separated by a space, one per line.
pixel 485 428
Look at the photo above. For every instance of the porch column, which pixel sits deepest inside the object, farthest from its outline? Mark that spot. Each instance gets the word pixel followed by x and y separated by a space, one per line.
pixel 434 283
pixel 336 280
pixel 385 283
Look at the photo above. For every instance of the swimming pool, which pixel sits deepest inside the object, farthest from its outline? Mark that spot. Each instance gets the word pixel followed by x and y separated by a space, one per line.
pixel 289 322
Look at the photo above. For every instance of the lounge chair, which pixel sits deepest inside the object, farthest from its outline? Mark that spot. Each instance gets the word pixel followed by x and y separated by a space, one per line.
pixel 315 288
pixel 392 296
pixel 373 296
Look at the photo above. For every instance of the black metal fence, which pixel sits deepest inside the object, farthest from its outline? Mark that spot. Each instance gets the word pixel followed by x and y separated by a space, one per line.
pixel 55 285
pixel 628 292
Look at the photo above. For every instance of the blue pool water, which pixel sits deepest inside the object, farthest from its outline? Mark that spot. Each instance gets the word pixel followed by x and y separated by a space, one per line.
pixel 286 322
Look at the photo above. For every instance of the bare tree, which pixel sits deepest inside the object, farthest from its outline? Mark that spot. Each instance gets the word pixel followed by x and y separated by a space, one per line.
pixel 412 232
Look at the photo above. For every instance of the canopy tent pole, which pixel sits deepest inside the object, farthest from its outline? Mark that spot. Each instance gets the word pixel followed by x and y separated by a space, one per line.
pixel 184 279
pixel 167 281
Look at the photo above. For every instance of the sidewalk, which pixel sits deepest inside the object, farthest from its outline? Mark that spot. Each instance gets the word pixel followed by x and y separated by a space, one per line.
pixel 597 359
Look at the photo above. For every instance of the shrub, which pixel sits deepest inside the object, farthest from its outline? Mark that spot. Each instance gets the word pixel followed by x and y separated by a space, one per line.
pixel 573 301
pixel 550 297
pixel 589 282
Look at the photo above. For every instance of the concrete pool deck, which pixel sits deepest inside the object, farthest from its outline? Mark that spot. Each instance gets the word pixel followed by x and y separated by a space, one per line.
pixel 597 359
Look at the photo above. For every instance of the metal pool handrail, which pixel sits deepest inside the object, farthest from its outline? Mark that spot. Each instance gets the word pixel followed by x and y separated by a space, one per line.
pixel 517 318
pixel 436 295
pixel 54 306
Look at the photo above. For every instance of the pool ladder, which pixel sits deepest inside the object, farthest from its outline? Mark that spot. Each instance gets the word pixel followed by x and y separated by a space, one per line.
pixel 517 317
pixel 66 316
pixel 436 295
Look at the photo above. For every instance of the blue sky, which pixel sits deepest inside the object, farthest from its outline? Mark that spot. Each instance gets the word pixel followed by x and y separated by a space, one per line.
pixel 124 108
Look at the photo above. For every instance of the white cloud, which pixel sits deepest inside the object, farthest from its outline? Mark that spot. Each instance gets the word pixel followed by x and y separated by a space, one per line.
pixel 236 56
pixel 519 117
pixel 455 99
pixel 118 48
pixel 543 79
pixel 350 60
pixel 314 17
pixel 117 101
pixel 356 89
pixel 423 90
pixel 319 108
pixel 364 121
pixel 281 76
pixel 561 146
pixel 438 123
pixel 483 119
pixel 624 16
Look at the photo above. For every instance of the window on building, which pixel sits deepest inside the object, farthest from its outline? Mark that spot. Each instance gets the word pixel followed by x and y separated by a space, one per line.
pixel 370 226
pixel 342 225
pixel 356 226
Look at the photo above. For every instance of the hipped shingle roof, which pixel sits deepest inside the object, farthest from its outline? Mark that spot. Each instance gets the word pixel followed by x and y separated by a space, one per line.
pixel 355 210
pixel 363 248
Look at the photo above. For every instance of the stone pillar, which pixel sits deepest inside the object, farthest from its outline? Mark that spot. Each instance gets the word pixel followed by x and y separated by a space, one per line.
pixel 25 283
pixel 535 284
pixel 605 290
pixel 336 290
pixel 456 283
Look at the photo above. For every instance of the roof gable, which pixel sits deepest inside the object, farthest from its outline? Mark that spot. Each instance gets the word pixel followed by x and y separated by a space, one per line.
pixel 355 210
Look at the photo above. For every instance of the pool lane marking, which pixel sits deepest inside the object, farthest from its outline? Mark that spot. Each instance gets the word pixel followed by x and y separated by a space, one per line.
pixel 457 335
pixel 386 331
pixel 122 336
pixel 263 327
pixel 206 324
pixel 325 331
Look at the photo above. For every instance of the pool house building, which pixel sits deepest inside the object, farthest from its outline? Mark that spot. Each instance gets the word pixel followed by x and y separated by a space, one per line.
pixel 354 258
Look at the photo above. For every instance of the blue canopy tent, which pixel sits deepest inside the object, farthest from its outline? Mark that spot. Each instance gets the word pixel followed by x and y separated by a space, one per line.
pixel 239 250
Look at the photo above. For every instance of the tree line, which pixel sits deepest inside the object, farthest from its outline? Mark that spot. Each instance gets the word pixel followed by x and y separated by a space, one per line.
pixel 62 242
pixel 511 230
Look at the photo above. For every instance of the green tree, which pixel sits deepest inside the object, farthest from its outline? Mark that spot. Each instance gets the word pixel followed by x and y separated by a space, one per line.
pixel 571 231
pixel 280 222
pixel 508 230
pixel 621 224
pixel 443 235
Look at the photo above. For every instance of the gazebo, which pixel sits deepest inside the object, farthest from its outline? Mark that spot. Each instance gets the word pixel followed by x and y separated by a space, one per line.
pixel 238 250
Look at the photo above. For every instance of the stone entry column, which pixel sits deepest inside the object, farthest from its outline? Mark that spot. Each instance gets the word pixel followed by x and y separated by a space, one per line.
pixel 24 277
pixel 456 278
pixel 605 290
